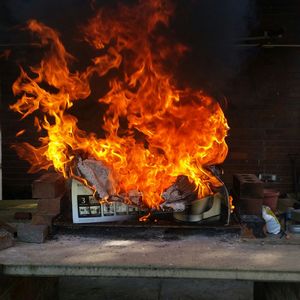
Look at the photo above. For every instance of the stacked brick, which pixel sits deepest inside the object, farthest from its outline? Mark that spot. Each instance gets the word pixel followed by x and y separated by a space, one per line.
pixel 248 192
pixel 49 189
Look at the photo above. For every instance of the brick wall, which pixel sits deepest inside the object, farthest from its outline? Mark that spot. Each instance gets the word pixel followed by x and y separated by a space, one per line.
pixel 264 116
pixel 263 109
pixel 264 102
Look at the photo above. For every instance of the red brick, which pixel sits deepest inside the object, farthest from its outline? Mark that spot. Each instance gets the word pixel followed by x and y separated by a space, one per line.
pixel 42 219
pixel 49 206
pixel 247 186
pixel 49 185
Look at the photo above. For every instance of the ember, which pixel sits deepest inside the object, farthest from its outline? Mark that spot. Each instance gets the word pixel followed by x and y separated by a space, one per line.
pixel 181 131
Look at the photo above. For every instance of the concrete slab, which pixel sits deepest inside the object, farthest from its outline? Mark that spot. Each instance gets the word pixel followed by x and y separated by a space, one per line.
pixel 153 253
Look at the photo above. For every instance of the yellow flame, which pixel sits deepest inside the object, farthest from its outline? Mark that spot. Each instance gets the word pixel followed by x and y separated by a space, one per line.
pixel 169 131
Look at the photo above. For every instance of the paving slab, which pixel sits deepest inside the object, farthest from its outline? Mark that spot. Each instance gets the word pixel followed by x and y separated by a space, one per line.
pixel 153 253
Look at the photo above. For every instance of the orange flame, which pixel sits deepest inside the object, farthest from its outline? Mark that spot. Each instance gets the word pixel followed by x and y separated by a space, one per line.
pixel 145 218
pixel 232 207
pixel 21 132
pixel 169 131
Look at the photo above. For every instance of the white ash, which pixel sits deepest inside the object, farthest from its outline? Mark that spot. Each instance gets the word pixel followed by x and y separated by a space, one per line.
pixel 179 194
pixel 98 175
pixel 135 197
pixel 176 206
pixel 171 194
pixel 116 198
pixel 181 189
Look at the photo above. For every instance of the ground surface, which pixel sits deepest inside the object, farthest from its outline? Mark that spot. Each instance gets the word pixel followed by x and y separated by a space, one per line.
pixel 154 253
pixel 151 263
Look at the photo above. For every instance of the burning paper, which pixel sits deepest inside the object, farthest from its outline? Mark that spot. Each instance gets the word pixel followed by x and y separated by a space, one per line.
pixel 98 176
pixel 179 194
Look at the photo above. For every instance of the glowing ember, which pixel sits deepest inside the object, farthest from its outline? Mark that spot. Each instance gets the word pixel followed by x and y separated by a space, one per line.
pixel 180 131
pixel 145 218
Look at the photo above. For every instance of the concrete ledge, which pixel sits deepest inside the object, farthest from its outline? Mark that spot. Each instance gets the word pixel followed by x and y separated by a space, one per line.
pixel 151 271
pixel 153 253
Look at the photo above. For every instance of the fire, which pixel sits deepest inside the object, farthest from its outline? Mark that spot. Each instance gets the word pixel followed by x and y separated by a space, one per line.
pixel 168 132
pixel 145 218
pixel 232 207
pixel 20 132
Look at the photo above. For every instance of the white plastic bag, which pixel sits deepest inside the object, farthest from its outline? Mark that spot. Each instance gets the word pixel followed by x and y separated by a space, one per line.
pixel 272 223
